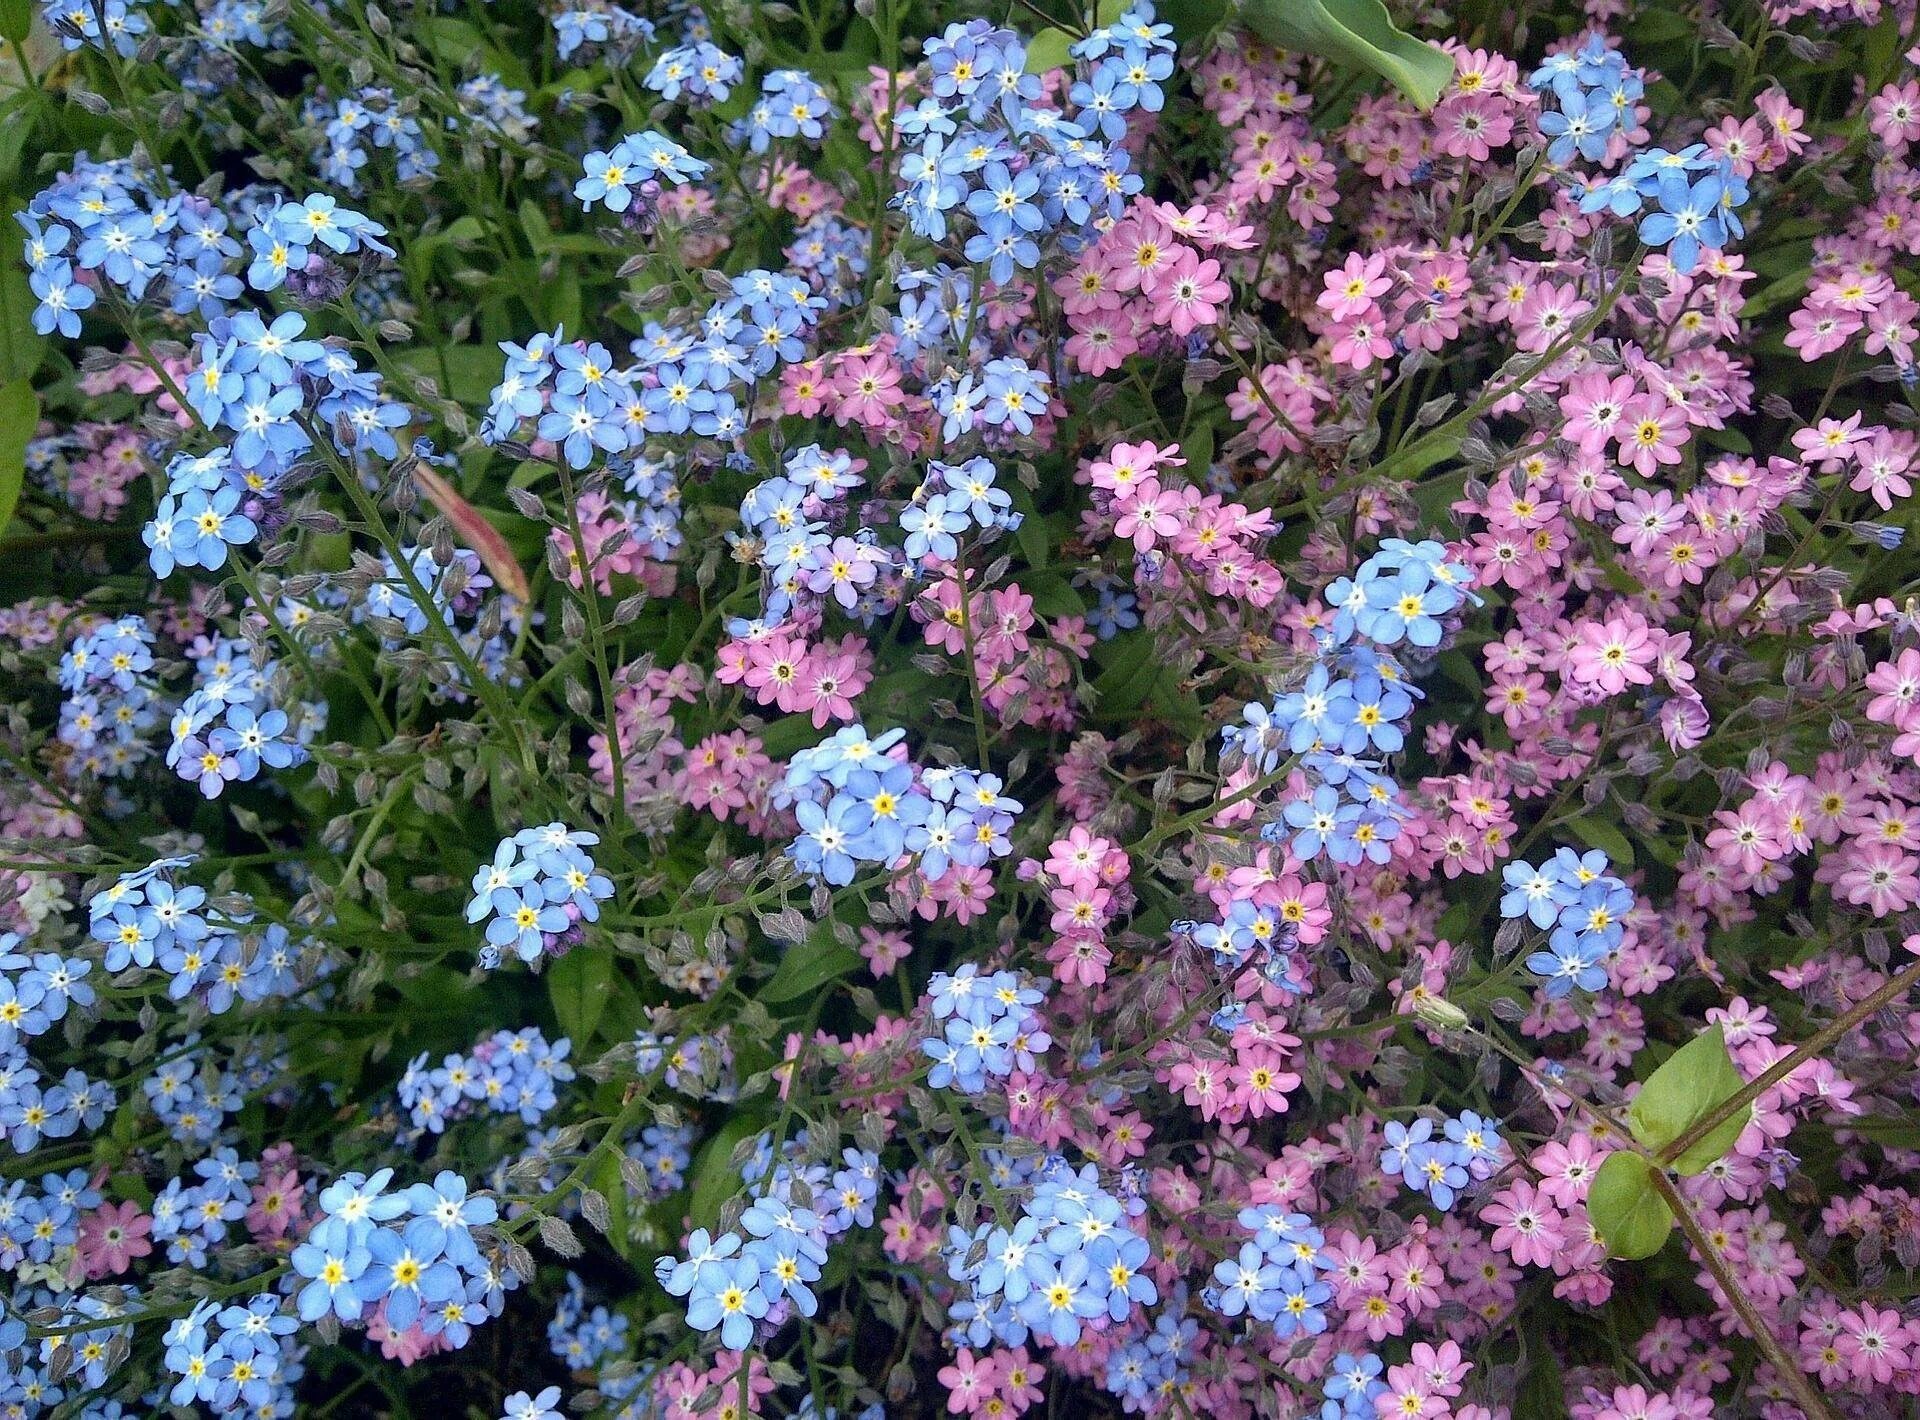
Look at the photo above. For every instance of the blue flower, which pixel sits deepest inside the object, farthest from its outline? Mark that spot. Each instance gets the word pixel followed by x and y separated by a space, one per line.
pixel 1690 217
pixel 728 1295
pixel 333 1271
pixel 61 299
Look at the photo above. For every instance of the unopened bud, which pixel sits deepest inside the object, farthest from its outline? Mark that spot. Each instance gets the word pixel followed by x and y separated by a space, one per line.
pixel 1439 1012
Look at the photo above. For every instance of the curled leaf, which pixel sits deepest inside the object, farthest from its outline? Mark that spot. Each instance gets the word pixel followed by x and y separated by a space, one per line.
pixel 475 532
pixel 1356 32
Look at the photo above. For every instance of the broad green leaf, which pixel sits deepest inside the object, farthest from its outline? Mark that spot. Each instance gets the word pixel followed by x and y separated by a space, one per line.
pixel 580 984
pixel 1412 460
pixel 16 19
pixel 714 1177
pixel 1596 832
pixel 1628 1212
pixel 18 117
pixel 19 416
pixel 1032 532
pixel 1049 50
pixel 1356 32
pixel 1696 1078
pixel 1193 19
pixel 808 967
pixel 21 346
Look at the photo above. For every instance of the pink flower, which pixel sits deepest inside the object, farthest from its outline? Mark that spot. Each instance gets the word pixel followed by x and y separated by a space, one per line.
pixel 1191 293
pixel 1651 433
pixel 1896 690
pixel 1356 287
pixel 1613 654
pixel 111 1237
pixel 1146 515
pixel 1525 1224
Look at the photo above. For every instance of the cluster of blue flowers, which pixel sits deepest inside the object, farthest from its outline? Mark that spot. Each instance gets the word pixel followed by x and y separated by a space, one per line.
pixel 90 1341
pixel 1594 93
pixel 200 515
pixel 229 729
pixel 832 255
pixel 954 499
pixel 1467 1149
pixel 192 1218
pixel 1023 172
pixel 367 119
pixel 1694 195
pixel 489 105
pixel 635 167
pixel 806 565
pixel 1577 899
pixel 584 1337
pixel 1276 1276
pixel 1070 1257
pixel 665 1152
pixel 235 1358
pixel 112 701
pixel 1353 703
pixel 988 1025
pixel 102 218
pixel 36 1225
pixel 1143 1368
pixel 511 1072
pixel 35 993
pixel 737 1284
pixel 856 803
pixel 791 105
pixel 144 920
pixel 1248 932
pixel 698 73
pixel 77 24
pixel 292 238
pixel 412 1255
pixel 575 29
pixel 539 887
pixel 682 382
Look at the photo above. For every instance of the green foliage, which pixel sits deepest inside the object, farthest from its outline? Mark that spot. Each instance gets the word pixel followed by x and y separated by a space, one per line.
pixel 581 984
pixel 808 967
pixel 1692 1082
pixel 1629 1214
pixel 1625 1202
pixel 1356 33
pixel 19 414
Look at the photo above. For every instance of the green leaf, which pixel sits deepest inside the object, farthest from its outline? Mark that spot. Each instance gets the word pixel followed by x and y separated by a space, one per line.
pixel 1597 833
pixel 18 117
pixel 580 984
pixel 1411 460
pixel 715 1179
pixel 1193 20
pixel 1049 50
pixel 1688 1086
pixel 21 346
pixel 19 417
pixel 1356 32
pixel 1628 1212
pixel 808 967
pixel 1032 532
pixel 534 223
pixel 16 19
